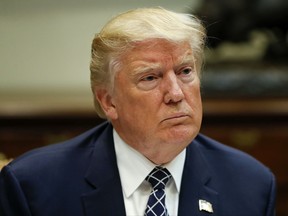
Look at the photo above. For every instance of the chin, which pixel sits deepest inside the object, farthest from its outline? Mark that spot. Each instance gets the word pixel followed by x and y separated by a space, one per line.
pixel 181 137
pixel 184 131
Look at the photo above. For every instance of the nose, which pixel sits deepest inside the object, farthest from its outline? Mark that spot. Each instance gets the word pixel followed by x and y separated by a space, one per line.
pixel 173 92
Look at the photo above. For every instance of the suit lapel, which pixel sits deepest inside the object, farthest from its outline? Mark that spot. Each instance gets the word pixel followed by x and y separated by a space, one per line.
pixel 102 175
pixel 196 184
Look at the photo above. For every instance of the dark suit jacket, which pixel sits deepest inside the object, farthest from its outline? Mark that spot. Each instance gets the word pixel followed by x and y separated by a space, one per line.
pixel 80 177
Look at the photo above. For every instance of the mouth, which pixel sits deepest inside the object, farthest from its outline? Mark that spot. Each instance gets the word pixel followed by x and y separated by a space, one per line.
pixel 176 118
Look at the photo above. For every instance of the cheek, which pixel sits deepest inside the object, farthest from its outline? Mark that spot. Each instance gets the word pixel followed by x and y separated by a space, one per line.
pixel 130 105
pixel 193 98
pixel 193 93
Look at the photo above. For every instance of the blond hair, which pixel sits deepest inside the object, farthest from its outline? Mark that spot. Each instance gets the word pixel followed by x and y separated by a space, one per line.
pixel 120 33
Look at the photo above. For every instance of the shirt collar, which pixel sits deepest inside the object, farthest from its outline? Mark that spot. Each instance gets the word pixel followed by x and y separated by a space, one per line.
pixel 134 167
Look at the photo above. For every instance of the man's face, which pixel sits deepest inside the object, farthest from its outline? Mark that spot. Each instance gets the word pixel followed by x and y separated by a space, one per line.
pixel 156 104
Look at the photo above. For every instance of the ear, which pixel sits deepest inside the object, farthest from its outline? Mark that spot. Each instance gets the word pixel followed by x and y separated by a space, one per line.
pixel 107 103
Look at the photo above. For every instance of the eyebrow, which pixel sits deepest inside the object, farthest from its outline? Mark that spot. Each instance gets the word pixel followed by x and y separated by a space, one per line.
pixel 187 58
pixel 146 67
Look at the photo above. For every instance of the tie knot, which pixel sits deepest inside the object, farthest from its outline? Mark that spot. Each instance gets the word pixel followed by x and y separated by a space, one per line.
pixel 158 177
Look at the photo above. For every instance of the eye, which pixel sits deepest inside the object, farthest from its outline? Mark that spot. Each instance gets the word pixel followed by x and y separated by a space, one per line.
pixel 149 78
pixel 186 70
pixel 186 74
pixel 148 82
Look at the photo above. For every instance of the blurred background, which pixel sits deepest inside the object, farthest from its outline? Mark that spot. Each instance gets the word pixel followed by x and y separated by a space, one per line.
pixel 45 92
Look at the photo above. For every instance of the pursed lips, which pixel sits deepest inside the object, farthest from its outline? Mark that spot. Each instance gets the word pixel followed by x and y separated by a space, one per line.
pixel 177 116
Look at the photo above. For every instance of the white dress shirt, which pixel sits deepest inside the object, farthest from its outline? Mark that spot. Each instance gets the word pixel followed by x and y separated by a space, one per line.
pixel 133 169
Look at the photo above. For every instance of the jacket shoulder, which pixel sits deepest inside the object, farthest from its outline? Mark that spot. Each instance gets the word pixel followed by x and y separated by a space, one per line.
pixel 69 150
pixel 221 156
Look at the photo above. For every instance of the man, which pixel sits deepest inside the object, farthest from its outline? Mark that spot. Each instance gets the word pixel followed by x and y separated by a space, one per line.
pixel 145 75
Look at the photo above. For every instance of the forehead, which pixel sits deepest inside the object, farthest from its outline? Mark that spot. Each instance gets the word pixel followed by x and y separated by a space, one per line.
pixel 158 49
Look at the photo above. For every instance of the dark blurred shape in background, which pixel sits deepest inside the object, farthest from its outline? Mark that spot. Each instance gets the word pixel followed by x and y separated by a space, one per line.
pixel 235 21
pixel 247 55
